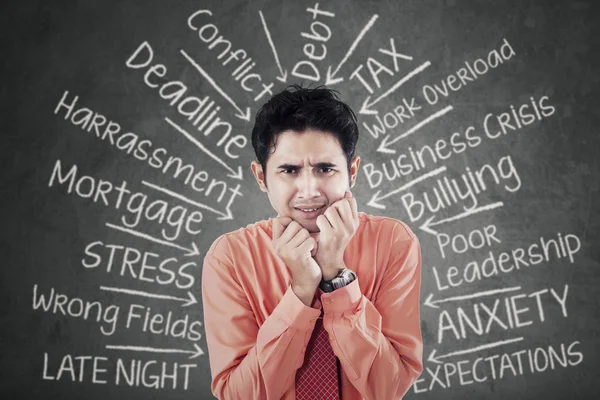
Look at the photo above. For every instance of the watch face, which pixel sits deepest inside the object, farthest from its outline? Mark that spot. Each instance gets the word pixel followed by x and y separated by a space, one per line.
pixel 327 287
pixel 345 277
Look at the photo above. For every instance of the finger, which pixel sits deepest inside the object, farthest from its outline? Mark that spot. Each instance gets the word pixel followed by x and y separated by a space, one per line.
pixel 279 225
pixel 345 213
pixel 290 231
pixel 324 225
pixel 354 208
pixel 333 215
pixel 285 221
pixel 314 250
pixel 351 200
pixel 277 229
pixel 307 245
pixel 299 238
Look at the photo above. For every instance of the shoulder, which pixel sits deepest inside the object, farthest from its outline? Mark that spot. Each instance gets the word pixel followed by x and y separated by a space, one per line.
pixel 385 227
pixel 242 239
pixel 396 245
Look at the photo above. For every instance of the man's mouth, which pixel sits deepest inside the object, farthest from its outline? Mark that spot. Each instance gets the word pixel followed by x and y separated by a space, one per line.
pixel 311 212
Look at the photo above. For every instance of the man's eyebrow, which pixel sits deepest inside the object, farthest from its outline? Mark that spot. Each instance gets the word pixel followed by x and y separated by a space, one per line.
pixel 319 164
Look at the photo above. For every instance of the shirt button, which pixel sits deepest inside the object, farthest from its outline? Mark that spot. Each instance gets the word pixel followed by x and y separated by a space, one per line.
pixel 331 337
pixel 313 320
pixel 304 349
pixel 327 300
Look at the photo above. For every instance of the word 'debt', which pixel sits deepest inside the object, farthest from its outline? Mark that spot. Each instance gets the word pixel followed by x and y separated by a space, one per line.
pixel 320 34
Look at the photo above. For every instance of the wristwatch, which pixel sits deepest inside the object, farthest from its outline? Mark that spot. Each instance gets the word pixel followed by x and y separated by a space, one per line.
pixel 342 279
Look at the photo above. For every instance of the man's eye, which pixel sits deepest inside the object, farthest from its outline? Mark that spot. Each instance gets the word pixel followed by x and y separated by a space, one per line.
pixel 325 170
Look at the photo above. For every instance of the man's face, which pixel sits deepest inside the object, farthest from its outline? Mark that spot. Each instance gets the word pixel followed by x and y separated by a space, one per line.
pixel 307 169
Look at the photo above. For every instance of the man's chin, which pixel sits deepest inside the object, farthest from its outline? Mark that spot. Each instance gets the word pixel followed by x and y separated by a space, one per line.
pixel 314 229
pixel 310 226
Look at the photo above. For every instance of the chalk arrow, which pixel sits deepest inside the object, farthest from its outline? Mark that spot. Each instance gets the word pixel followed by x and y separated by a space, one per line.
pixel 237 174
pixel 432 303
pixel 331 79
pixel 189 251
pixel 432 356
pixel 193 251
pixel 187 301
pixel 386 142
pixel 383 146
pixel 227 216
pixel 244 115
pixel 197 352
pixel 224 216
pixel 283 74
pixel 283 77
pixel 426 227
pixel 374 202
pixel 233 173
pixel 367 104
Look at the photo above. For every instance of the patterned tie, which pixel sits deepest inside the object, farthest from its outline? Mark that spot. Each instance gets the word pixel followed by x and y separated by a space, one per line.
pixel 317 378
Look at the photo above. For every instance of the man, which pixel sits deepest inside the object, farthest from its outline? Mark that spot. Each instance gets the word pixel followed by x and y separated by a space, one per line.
pixel 322 301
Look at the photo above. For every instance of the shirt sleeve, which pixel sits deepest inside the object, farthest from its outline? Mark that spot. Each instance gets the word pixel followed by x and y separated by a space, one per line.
pixel 379 343
pixel 248 361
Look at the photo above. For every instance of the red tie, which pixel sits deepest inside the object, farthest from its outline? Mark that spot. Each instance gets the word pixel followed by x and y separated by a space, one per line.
pixel 317 378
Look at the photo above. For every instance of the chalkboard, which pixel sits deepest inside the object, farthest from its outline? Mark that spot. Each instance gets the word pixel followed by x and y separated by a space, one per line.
pixel 126 152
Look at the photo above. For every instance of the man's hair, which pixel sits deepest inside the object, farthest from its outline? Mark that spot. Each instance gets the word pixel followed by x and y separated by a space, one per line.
pixel 300 108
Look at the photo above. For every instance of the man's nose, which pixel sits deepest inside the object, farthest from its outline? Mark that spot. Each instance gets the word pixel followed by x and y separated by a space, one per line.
pixel 308 185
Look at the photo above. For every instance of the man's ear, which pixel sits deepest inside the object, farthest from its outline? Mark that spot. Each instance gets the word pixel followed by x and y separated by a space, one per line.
pixel 259 175
pixel 354 170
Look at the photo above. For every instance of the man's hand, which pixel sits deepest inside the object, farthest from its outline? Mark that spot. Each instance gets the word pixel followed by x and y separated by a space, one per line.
pixel 338 225
pixel 293 244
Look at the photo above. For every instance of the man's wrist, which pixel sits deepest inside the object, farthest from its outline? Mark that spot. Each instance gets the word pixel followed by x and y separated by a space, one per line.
pixel 305 293
pixel 331 270
pixel 330 274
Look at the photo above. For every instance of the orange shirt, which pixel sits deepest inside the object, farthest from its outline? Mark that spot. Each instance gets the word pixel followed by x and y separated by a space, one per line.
pixel 257 328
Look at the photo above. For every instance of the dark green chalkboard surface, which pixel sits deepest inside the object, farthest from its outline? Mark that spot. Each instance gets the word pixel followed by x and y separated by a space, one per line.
pixel 125 151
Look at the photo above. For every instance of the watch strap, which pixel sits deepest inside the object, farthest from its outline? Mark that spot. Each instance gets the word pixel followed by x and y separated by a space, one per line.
pixel 343 278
